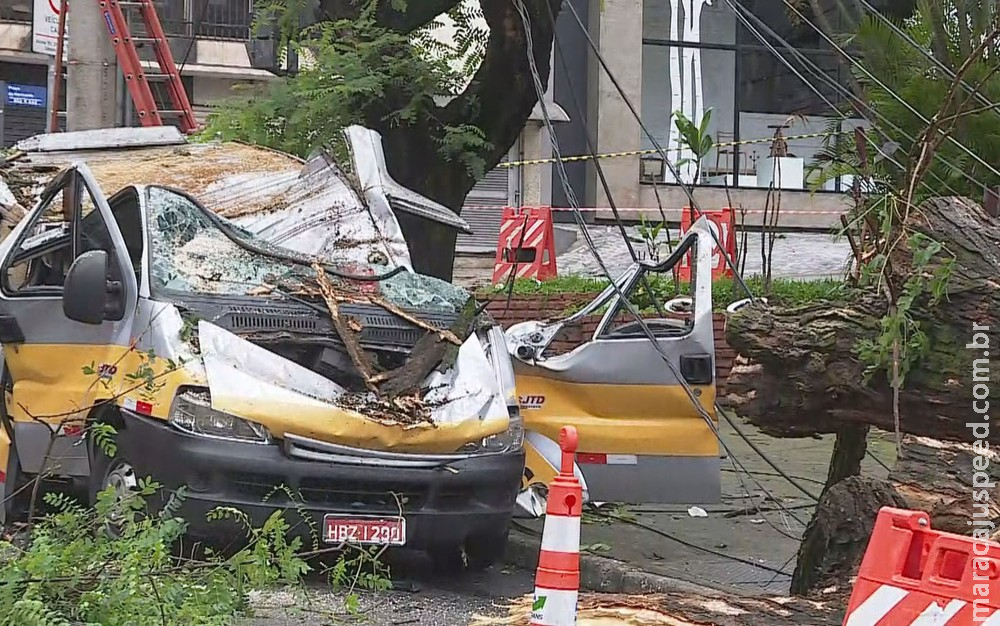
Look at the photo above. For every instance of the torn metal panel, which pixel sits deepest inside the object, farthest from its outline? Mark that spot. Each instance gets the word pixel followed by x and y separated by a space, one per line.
pixel 103 139
pixel 382 191
pixel 256 384
pixel 318 214
pixel 7 198
pixel 236 367
pixel 468 390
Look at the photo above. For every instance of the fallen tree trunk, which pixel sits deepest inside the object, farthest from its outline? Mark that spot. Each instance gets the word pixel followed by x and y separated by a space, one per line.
pixel 800 373
pixel 931 476
pixel 676 609
pixel 941 478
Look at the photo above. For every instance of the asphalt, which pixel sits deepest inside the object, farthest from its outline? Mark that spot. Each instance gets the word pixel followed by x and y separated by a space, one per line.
pixel 421 598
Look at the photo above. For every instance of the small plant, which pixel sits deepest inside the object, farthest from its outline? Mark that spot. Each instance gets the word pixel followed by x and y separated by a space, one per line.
pixel 696 138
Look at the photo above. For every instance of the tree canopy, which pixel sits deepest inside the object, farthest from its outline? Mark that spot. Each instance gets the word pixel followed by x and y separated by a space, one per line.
pixel 447 111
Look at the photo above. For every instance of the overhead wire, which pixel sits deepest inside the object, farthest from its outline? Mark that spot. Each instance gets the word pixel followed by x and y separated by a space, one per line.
pixel 623 300
pixel 947 71
pixel 688 188
pixel 840 50
pixel 742 14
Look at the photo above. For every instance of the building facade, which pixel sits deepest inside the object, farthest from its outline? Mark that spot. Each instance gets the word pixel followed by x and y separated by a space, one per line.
pixel 210 39
pixel 752 68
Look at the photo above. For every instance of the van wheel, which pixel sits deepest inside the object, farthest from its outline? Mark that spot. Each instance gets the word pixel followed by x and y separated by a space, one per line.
pixel 116 473
pixel 15 506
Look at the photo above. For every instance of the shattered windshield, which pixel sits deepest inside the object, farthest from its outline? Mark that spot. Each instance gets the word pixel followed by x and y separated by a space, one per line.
pixel 189 253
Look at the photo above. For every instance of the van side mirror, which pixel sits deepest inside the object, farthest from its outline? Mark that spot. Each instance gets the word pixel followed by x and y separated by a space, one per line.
pixel 88 296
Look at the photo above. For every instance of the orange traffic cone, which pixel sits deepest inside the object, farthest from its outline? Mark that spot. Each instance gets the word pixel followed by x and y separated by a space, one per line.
pixel 557 580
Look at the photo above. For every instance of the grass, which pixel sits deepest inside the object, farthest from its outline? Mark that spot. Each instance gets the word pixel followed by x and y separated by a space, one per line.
pixel 725 291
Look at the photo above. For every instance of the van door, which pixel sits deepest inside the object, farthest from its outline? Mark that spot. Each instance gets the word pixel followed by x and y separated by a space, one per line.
pixel 642 439
pixel 54 366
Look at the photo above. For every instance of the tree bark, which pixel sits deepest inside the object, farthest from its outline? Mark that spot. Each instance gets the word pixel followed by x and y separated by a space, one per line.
pixel 848 453
pixel 837 536
pixel 685 609
pixel 937 478
pixel 799 373
pixel 497 101
pixel 929 476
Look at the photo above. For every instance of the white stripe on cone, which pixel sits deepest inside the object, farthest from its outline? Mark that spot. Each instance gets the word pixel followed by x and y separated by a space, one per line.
pixel 553 608
pixel 876 606
pixel 937 615
pixel 561 534
pixel 879 606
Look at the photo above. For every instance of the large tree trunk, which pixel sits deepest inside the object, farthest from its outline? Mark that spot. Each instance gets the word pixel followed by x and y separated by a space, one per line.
pixel 800 373
pixel 941 479
pixel 685 609
pixel 497 102
pixel 931 476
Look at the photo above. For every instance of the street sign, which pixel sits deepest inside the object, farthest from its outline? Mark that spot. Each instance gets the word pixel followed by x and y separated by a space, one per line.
pixel 45 27
pixel 32 96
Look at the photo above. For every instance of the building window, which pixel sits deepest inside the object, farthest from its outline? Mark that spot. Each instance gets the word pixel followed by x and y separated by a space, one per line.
pixel 768 122
pixel 223 19
pixel 18 11
pixel 206 19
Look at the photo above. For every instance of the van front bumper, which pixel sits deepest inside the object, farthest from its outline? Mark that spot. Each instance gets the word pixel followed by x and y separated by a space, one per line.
pixel 444 505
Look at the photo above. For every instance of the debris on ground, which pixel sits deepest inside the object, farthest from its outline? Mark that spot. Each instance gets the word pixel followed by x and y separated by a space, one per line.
pixel 676 609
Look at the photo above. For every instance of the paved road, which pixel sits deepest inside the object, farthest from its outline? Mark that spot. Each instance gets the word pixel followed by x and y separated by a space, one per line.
pixel 795 255
pixel 429 602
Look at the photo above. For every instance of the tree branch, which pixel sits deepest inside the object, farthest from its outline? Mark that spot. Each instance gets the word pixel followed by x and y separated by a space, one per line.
pixel 412 15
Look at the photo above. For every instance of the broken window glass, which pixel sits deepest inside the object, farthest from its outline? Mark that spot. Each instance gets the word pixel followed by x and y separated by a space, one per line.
pixel 417 291
pixel 189 253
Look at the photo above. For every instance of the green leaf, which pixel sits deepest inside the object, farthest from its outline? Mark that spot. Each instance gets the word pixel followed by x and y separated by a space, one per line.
pixel 538 604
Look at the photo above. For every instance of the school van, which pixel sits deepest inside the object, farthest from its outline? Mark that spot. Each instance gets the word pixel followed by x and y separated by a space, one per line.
pixel 295 361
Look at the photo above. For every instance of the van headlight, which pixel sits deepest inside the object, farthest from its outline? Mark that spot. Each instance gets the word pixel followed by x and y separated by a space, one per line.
pixel 510 440
pixel 192 413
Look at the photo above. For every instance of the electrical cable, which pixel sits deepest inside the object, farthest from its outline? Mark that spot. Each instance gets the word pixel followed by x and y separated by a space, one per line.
pixel 666 535
pixel 571 197
pixel 742 13
pixel 190 47
pixel 688 189
pixel 592 151
pixel 940 64
pixel 885 87
pixel 230 233
pixel 760 453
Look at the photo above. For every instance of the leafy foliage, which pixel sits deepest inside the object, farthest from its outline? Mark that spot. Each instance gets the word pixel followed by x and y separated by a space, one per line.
pixel 360 72
pixel 72 571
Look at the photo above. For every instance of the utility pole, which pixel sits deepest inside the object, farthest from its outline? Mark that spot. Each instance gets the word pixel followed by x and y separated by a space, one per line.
pixel 92 69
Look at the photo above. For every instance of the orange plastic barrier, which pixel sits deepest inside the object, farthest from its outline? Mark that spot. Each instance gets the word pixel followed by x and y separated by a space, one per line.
pixel 527 240
pixel 724 224
pixel 912 575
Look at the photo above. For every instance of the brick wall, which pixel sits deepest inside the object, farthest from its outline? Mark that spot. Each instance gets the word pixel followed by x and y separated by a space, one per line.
pixel 535 307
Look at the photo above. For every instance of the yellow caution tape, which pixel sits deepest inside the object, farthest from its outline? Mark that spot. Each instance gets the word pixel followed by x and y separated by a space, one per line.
pixel 613 155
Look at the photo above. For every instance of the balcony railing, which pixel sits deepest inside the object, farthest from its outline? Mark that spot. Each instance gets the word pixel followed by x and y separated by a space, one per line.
pixel 18 11
pixel 207 19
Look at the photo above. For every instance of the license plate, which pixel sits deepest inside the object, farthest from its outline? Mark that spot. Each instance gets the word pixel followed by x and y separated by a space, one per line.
pixel 383 531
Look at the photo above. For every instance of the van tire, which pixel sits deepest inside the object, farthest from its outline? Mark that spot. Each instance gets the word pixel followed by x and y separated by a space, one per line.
pixel 15 506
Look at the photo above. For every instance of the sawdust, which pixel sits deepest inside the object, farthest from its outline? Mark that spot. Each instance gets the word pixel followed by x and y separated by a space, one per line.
pixel 407 410
pixel 679 609
pixel 193 168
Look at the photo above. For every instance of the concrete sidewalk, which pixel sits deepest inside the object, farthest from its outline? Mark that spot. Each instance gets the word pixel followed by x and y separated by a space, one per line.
pixel 735 547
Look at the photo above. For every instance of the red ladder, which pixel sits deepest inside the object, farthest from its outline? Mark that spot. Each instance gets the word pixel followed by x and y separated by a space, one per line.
pixel 136 78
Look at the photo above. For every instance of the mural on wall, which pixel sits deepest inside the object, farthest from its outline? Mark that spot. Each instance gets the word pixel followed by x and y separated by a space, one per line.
pixel 686 89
